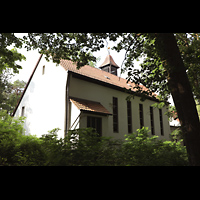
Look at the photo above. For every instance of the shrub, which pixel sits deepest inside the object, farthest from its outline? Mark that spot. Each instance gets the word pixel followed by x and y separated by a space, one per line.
pixel 81 147
pixel 84 147
pixel 140 149
pixel 10 131
pixel 56 150
pixel 31 151
pixel 15 147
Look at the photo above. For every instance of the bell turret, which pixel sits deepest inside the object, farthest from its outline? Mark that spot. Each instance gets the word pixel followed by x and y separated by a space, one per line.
pixel 109 65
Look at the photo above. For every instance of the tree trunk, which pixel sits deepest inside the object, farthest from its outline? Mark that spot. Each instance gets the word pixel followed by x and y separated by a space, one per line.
pixel 180 88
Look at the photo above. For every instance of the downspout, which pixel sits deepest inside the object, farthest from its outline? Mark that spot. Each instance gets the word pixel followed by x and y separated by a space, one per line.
pixel 66 124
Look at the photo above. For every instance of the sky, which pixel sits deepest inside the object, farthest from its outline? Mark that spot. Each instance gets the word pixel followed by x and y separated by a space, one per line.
pixel 33 55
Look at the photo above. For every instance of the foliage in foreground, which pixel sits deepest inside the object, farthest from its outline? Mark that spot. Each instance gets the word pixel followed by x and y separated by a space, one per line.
pixel 140 149
pixel 83 147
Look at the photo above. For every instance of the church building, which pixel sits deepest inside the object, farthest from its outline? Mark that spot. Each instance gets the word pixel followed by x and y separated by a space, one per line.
pixel 67 98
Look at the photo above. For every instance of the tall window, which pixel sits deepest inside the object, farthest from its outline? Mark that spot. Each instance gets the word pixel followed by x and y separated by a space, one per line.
pixel 141 115
pixel 152 121
pixel 95 122
pixel 43 70
pixel 23 110
pixel 129 116
pixel 161 122
pixel 115 114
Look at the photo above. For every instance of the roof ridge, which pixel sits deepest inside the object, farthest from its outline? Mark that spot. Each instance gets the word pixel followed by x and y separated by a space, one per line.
pixel 95 68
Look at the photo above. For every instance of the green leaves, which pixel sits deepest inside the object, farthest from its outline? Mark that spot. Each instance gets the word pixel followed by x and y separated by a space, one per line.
pixel 9 57
pixel 9 92
pixel 76 46
pixel 84 147
pixel 150 151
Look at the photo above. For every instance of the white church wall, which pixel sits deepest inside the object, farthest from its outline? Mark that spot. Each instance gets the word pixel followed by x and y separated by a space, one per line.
pixel 44 100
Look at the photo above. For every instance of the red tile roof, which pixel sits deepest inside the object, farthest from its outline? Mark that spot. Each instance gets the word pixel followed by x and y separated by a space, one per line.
pixel 100 75
pixel 86 105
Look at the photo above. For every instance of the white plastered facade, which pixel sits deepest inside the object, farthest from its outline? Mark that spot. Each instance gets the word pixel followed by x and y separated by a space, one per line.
pixel 44 100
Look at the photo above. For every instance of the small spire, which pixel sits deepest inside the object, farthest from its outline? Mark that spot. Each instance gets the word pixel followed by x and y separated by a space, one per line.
pixel 108 50
pixel 109 65
pixel 109 61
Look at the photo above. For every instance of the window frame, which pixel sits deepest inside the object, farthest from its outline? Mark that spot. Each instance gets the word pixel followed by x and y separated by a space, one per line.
pixel 43 69
pixel 152 121
pixel 95 122
pixel 23 111
pixel 141 115
pixel 161 122
pixel 115 115
pixel 129 117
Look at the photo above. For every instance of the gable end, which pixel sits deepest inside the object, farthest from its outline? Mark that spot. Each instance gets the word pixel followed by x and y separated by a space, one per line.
pixel 27 85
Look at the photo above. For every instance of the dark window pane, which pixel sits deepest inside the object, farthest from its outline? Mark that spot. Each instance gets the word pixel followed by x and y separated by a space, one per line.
pixel 115 114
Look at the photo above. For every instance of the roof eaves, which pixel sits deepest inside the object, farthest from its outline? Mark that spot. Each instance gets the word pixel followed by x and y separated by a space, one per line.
pixel 90 106
pixel 95 112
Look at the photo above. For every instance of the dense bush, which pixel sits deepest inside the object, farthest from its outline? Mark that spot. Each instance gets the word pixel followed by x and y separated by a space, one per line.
pixel 140 149
pixel 15 147
pixel 84 147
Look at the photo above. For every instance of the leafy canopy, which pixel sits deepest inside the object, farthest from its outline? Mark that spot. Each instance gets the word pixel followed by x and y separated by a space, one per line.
pixel 9 57
pixel 153 73
pixel 79 47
